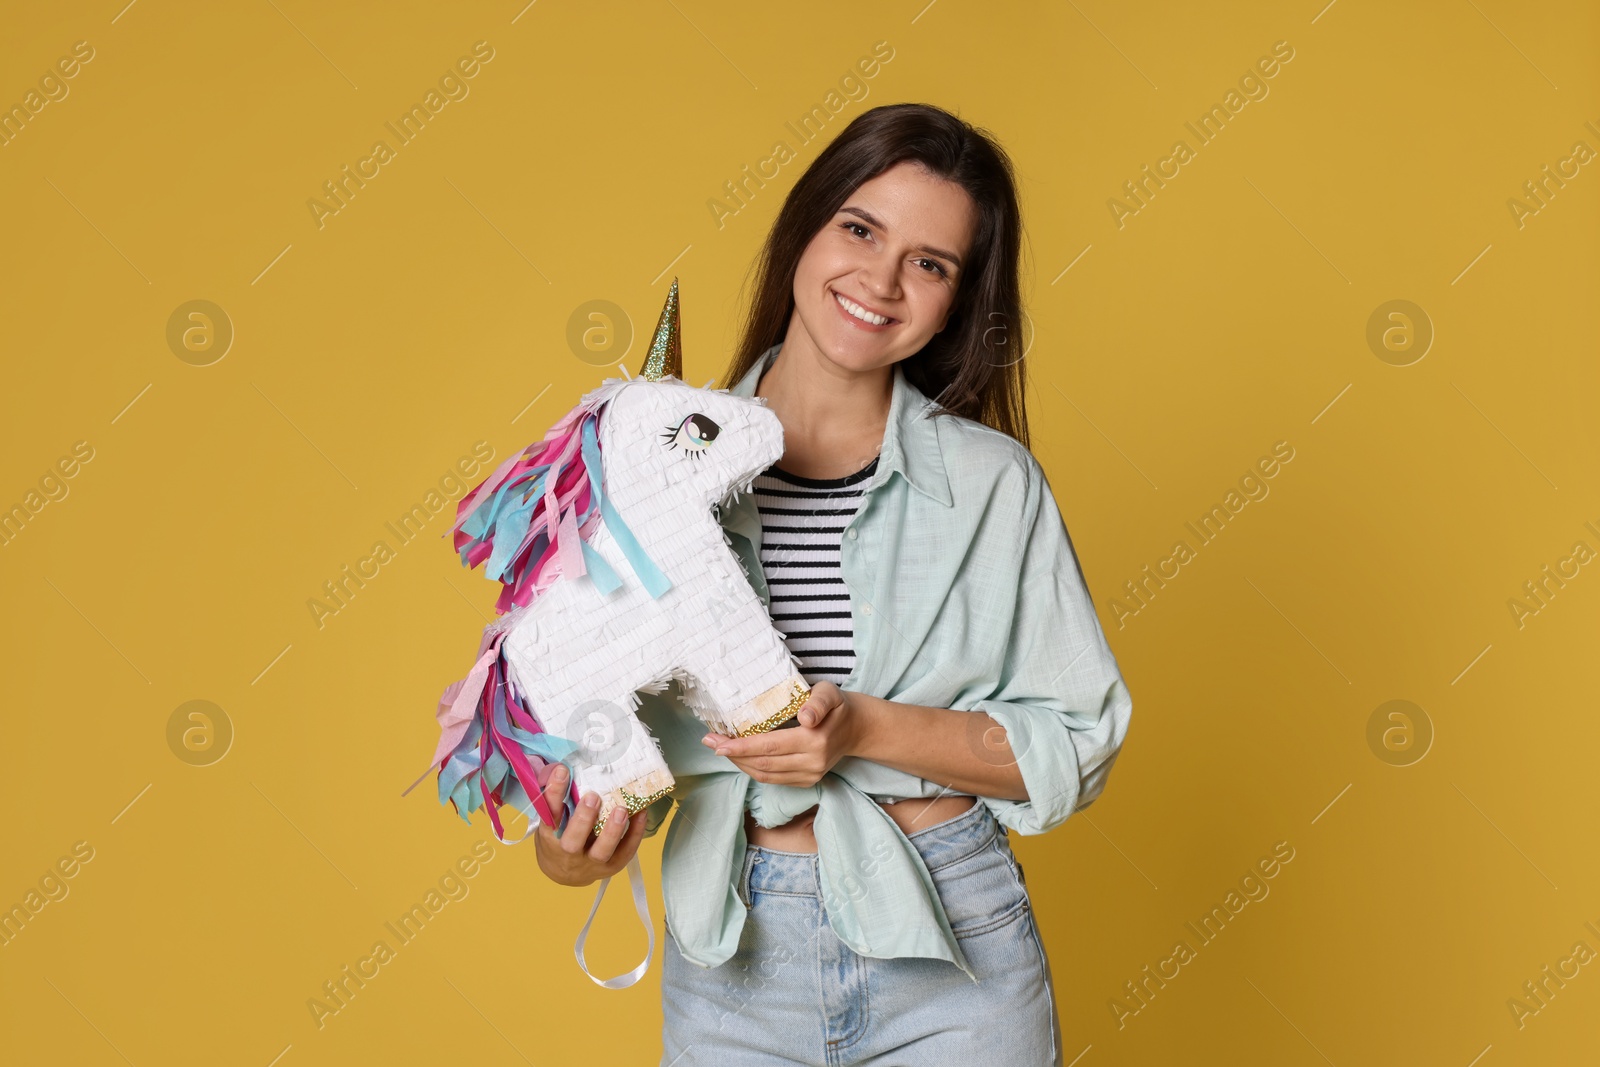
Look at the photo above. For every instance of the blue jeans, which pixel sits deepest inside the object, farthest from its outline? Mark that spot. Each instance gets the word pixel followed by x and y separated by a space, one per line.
pixel 795 994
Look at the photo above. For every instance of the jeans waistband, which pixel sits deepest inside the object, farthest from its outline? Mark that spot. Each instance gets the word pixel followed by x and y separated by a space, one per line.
pixel 774 871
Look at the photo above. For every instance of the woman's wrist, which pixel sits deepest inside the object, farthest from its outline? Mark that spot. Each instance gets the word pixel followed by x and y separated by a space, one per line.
pixel 873 718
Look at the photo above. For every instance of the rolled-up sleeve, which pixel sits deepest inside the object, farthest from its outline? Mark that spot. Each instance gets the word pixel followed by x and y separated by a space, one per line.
pixel 1061 697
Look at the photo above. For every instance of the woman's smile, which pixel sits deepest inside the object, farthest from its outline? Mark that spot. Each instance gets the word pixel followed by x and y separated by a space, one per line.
pixel 861 317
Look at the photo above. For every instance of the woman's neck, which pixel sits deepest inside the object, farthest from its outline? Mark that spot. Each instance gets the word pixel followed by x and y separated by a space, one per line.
pixel 833 418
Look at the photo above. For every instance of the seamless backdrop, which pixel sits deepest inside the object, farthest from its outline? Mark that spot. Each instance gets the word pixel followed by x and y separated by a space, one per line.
pixel 1312 352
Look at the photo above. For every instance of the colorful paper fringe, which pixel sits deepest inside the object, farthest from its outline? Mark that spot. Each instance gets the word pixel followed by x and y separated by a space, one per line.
pixel 529 518
pixel 528 523
pixel 494 751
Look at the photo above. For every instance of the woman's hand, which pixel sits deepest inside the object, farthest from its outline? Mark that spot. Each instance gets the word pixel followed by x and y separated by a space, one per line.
pixel 578 857
pixel 832 723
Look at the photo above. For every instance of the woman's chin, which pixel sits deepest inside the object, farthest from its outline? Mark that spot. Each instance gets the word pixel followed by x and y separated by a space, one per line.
pixel 857 351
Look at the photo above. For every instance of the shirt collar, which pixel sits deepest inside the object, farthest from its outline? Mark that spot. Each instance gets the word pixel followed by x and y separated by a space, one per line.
pixel 910 439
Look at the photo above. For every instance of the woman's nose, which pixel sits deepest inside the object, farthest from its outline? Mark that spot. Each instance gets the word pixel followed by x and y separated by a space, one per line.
pixel 881 279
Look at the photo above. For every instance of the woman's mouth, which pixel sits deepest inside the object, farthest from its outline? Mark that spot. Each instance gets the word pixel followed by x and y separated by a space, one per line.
pixel 860 317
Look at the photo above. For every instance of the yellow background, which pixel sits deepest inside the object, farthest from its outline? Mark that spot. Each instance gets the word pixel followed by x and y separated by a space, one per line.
pixel 370 354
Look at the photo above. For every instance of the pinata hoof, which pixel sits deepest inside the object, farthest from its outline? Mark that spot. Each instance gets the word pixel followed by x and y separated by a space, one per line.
pixel 633 797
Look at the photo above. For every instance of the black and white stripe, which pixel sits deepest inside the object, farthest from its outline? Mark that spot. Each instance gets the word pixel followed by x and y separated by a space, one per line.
pixel 802 524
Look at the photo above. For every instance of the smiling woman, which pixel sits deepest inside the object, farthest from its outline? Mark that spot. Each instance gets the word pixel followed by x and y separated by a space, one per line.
pixel 961 686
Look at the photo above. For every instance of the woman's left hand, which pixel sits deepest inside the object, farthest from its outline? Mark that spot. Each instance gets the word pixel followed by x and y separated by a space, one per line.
pixel 831 723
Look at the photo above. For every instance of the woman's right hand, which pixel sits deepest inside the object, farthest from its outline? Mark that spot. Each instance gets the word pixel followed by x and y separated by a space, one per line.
pixel 579 856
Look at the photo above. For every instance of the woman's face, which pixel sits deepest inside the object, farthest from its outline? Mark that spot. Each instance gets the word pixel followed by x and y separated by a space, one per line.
pixel 895 251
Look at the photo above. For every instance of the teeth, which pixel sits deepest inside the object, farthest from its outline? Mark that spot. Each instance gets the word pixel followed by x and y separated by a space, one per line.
pixel 860 312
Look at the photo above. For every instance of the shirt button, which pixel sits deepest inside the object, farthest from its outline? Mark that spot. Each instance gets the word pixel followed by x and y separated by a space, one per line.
pixel 866 609
pixel 852 533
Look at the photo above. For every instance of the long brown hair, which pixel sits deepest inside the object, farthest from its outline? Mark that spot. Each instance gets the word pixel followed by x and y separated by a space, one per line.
pixel 973 367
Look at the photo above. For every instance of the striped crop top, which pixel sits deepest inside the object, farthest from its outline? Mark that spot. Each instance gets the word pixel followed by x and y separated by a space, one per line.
pixel 802 522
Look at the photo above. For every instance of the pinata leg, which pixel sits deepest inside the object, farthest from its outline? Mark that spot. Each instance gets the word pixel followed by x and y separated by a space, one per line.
pixel 616 755
pixel 635 796
pixel 770 710
pixel 747 681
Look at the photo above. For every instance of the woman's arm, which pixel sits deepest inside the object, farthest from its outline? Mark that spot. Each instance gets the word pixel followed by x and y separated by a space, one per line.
pixel 965 751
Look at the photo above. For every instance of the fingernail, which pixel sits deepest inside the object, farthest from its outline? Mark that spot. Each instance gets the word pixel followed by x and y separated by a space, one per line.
pixel 592 800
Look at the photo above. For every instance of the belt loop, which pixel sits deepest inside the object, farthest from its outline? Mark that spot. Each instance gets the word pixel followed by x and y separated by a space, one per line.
pixel 751 858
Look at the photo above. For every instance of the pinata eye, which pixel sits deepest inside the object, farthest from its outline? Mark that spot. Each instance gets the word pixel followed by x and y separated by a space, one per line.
pixel 694 434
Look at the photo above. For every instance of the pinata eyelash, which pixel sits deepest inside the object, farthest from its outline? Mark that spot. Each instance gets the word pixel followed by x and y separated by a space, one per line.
pixel 695 442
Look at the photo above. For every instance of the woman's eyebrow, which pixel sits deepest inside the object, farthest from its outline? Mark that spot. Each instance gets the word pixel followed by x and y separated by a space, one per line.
pixel 874 220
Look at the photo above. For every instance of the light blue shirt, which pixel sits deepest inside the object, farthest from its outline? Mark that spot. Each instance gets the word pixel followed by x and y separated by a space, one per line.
pixel 966 594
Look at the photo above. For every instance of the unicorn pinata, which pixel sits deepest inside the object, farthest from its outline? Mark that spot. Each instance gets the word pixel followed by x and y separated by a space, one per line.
pixel 617 578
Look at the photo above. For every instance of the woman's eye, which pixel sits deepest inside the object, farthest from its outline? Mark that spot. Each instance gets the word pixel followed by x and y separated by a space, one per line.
pixel 694 434
pixel 938 268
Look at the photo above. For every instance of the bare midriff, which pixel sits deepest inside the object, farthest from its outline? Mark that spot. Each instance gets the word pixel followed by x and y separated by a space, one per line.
pixel 911 815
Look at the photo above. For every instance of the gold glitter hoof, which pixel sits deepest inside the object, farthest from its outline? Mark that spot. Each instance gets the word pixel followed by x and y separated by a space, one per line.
pixel 797 697
pixel 634 803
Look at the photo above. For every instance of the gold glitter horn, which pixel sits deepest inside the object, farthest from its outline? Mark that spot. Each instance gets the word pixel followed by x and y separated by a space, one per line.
pixel 666 350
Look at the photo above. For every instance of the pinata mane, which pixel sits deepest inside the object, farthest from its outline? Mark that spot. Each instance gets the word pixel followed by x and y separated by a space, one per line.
pixel 525 521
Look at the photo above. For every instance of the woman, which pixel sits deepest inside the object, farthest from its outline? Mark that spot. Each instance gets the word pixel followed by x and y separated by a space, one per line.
pixel 844 891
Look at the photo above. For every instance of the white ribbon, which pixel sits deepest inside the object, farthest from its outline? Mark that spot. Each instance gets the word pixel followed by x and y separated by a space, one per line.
pixel 641 904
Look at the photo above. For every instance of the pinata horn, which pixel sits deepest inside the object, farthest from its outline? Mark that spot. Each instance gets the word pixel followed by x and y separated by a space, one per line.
pixel 666 350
